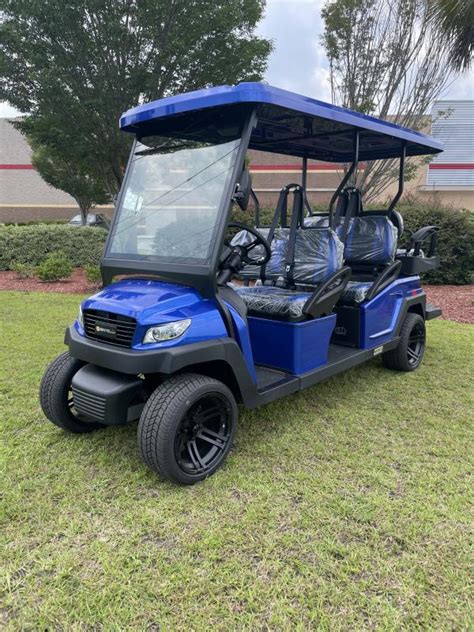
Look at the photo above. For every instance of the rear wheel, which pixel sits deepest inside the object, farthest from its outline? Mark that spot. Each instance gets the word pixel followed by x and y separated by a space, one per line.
pixel 56 395
pixel 187 427
pixel 407 356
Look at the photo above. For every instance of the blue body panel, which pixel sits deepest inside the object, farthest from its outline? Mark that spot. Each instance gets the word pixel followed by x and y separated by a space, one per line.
pixel 155 303
pixel 295 348
pixel 259 93
pixel 243 340
pixel 379 316
pixel 292 347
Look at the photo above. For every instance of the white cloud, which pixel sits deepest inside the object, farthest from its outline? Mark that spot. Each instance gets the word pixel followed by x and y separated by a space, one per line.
pixel 297 62
pixel 462 88
pixel 6 110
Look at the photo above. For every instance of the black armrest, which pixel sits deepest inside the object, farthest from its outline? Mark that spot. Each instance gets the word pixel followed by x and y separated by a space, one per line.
pixel 416 239
pixel 386 277
pixel 322 300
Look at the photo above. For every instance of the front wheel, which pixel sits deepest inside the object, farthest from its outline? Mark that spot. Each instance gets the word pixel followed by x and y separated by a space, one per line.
pixel 408 354
pixel 56 395
pixel 187 427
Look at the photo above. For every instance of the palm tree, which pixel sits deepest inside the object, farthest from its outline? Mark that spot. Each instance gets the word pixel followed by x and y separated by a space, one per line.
pixel 454 20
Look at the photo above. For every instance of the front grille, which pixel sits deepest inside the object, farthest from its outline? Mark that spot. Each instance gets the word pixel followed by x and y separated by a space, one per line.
pixel 113 329
pixel 89 405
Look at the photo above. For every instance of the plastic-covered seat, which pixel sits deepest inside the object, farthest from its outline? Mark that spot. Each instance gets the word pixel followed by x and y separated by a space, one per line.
pixel 317 257
pixel 318 254
pixel 370 239
pixel 355 292
pixel 274 302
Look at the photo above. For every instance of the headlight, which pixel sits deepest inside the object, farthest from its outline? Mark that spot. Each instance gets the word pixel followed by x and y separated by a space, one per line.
pixel 160 333
pixel 80 317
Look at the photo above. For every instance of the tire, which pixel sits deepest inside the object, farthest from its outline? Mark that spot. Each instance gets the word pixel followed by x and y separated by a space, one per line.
pixel 187 427
pixel 408 354
pixel 55 395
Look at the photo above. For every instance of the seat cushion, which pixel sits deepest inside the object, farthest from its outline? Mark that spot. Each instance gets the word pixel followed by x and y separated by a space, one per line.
pixel 355 292
pixel 274 302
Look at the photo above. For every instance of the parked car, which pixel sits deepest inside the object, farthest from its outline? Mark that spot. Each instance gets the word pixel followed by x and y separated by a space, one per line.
pixel 93 219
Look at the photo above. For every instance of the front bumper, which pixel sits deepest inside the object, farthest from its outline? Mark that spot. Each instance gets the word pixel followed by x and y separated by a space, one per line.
pixel 166 361
pixel 106 396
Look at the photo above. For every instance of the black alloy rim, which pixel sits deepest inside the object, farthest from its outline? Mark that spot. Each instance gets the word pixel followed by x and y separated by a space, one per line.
pixel 416 344
pixel 203 435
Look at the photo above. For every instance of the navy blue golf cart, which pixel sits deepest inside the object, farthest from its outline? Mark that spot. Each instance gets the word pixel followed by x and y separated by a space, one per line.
pixel 208 312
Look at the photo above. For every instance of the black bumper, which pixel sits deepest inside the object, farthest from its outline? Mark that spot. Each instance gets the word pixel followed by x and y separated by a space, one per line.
pixel 432 312
pixel 164 361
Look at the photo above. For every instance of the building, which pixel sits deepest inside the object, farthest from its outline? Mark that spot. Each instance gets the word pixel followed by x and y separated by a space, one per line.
pixel 24 195
pixel 449 177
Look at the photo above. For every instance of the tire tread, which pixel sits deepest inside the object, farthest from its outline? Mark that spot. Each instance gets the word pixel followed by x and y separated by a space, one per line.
pixel 396 359
pixel 51 395
pixel 158 419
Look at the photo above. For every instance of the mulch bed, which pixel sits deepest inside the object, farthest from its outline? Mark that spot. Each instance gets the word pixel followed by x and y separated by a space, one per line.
pixel 76 284
pixel 456 301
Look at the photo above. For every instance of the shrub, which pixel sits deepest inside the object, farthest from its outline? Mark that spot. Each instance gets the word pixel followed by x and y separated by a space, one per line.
pixel 55 267
pixel 35 222
pixel 93 274
pixel 31 244
pixel 23 270
pixel 248 216
pixel 456 238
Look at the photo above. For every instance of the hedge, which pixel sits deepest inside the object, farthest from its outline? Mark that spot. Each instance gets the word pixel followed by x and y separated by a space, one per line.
pixel 31 244
pixel 456 237
pixel 455 243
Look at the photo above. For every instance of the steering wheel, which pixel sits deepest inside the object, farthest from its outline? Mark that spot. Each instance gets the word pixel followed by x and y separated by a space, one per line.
pixel 246 249
pixel 235 256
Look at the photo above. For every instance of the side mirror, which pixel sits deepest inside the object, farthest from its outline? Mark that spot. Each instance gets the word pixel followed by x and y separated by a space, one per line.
pixel 243 190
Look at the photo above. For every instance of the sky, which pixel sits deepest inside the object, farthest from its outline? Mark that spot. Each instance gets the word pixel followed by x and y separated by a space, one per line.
pixel 298 62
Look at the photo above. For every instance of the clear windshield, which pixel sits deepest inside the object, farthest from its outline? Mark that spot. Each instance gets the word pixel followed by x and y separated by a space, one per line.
pixel 174 193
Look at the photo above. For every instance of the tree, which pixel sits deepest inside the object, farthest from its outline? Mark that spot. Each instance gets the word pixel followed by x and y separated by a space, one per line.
pixel 385 61
pixel 82 63
pixel 454 20
pixel 63 174
pixel 61 158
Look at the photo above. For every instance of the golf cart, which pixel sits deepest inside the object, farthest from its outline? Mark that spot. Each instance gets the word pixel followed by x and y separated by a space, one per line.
pixel 208 312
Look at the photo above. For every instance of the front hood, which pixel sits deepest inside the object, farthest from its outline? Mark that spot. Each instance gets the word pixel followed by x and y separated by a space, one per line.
pixel 150 302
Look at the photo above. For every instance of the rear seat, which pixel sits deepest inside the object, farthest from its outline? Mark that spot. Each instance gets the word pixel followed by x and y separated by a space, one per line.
pixel 370 245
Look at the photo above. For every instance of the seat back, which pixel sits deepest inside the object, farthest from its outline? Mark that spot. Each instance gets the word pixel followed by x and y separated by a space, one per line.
pixel 370 239
pixel 318 253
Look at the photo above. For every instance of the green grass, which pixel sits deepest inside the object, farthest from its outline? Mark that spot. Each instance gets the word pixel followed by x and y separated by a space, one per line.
pixel 345 507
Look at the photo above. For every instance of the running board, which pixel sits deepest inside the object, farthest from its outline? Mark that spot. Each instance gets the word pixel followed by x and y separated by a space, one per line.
pixel 432 312
pixel 340 359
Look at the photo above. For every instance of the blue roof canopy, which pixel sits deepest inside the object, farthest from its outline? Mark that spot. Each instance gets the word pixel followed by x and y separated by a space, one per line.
pixel 288 123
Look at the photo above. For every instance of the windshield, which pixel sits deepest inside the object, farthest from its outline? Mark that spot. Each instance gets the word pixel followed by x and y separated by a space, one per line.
pixel 174 192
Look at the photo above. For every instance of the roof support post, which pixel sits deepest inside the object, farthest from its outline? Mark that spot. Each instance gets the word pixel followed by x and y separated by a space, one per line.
pixel 346 178
pixel 304 183
pixel 401 178
pixel 304 173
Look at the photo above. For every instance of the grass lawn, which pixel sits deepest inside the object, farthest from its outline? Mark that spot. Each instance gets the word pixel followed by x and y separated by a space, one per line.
pixel 345 507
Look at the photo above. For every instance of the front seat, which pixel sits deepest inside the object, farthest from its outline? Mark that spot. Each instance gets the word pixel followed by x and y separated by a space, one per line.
pixel 306 284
